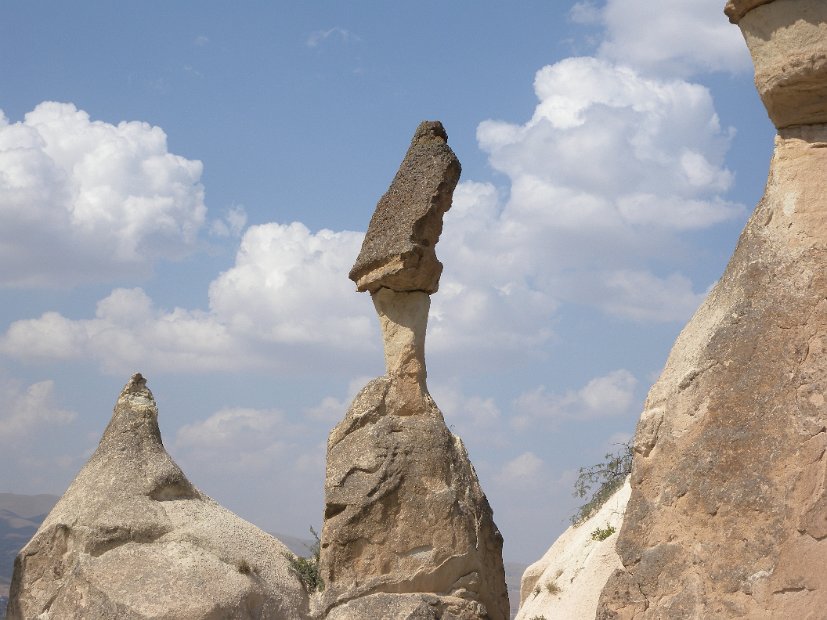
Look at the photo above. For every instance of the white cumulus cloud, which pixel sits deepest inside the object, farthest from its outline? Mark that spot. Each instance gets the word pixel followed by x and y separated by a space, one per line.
pixel 605 178
pixel 607 174
pixel 28 409
pixel 670 37
pixel 88 201
pixel 522 472
pixel 285 301
pixel 609 395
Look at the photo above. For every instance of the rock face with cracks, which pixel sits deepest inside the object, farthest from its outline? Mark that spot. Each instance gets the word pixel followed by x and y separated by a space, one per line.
pixel 133 539
pixel 408 532
pixel 728 512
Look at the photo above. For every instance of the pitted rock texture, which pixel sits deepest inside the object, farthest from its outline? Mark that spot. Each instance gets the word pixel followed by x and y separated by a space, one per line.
pixel 408 607
pixel 398 250
pixel 133 539
pixel 727 517
pixel 788 43
pixel 405 514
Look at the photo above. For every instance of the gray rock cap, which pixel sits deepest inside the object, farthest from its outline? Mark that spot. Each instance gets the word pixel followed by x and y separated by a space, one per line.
pixel 398 250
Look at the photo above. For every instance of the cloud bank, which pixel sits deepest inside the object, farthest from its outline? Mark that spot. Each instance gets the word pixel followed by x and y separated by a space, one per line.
pixel 86 201
pixel 604 179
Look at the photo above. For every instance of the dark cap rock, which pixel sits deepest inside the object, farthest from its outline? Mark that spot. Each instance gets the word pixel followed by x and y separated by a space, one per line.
pixel 398 250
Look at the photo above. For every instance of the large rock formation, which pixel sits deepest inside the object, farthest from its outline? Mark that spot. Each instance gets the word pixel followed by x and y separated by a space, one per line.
pixel 408 532
pixel 728 512
pixel 132 539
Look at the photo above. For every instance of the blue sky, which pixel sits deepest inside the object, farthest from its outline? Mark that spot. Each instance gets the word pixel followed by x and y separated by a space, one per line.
pixel 184 187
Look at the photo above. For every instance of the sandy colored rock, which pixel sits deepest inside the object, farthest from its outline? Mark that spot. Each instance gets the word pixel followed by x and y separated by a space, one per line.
pixel 404 511
pixel 788 43
pixel 408 607
pixel 408 532
pixel 398 250
pixel 729 482
pixel 577 565
pixel 132 538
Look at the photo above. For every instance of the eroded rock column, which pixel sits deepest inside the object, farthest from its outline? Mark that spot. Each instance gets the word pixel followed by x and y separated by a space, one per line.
pixel 408 531
pixel 729 484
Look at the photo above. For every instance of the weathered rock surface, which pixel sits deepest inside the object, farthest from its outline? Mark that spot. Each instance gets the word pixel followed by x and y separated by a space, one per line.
pixel 408 532
pixel 132 538
pixel 408 607
pixel 404 512
pixel 566 582
pixel 788 43
pixel 398 250
pixel 728 512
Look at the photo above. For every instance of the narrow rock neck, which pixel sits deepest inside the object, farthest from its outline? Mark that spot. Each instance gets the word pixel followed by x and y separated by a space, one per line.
pixel 403 317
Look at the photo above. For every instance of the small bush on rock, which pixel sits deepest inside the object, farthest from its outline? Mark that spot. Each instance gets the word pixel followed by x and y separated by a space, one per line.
pixel 602 533
pixel 307 568
pixel 605 478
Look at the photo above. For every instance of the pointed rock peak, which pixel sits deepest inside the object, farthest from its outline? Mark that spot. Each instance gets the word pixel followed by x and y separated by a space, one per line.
pixel 398 250
pixel 430 131
pixel 137 395
pixel 136 415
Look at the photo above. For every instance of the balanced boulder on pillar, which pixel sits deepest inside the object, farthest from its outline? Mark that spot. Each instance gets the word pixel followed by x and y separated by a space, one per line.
pixel 408 532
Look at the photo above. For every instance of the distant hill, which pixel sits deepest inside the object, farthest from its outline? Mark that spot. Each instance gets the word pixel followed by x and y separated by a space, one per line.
pixel 20 516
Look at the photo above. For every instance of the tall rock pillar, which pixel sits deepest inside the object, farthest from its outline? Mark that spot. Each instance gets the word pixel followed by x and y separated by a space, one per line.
pixel 408 532
pixel 728 512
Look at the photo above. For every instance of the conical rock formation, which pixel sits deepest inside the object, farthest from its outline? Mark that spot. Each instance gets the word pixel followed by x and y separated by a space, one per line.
pixel 132 538
pixel 408 532
pixel 728 512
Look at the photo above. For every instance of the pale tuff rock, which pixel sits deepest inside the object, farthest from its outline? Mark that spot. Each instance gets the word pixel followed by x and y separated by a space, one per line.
pixel 398 250
pixel 132 538
pixel 788 43
pixel 408 532
pixel 729 482
pixel 577 565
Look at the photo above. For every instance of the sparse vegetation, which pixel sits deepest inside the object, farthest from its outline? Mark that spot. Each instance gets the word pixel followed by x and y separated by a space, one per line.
pixel 552 588
pixel 600 481
pixel 602 533
pixel 537 618
pixel 537 589
pixel 244 568
pixel 307 568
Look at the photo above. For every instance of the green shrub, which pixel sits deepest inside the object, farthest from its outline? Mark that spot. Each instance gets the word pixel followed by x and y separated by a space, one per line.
pixel 307 568
pixel 600 481
pixel 602 533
